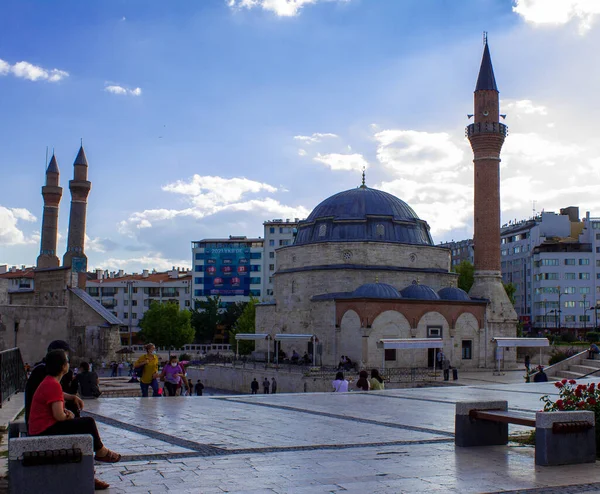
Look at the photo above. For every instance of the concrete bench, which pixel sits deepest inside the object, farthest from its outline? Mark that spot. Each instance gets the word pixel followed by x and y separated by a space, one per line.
pixel 561 438
pixel 49 464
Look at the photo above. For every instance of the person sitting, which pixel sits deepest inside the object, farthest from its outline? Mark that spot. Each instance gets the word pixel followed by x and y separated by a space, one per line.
pixel 306 358
pixel 340 385
pixel 349 364
pixel 593 350
pixel 363 381
pixel 540 376
pixel 88 382
pixel 49 417
pixel 295 357
pixel 342 363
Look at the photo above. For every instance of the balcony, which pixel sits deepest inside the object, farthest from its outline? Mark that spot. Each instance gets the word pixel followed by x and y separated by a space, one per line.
pixel 109 303
pixel 486 128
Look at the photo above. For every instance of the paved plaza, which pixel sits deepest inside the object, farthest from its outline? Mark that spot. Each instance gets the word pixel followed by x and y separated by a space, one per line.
pixel 376 442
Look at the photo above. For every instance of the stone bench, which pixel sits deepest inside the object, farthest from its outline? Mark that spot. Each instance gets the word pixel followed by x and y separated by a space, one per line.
pixel 49 464
pixel 561 438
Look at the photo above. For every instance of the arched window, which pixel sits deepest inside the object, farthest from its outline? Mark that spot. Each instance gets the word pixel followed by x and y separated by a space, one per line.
pixel 380 230
pixel 322 230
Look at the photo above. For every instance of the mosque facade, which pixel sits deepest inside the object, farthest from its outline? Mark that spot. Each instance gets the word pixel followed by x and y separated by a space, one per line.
pixel 363 268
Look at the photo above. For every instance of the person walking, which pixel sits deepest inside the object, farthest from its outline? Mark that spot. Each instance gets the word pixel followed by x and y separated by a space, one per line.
pixel 150 375
pixel 199 388
pixel 171 375
pixel 266 386
pixel 446 367
pixel 376 381
pixel 254 386
pixel 340 385
pixel 273 386
pixel 440 359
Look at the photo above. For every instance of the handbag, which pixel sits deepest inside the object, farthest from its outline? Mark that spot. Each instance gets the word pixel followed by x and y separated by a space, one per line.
pixel 139 371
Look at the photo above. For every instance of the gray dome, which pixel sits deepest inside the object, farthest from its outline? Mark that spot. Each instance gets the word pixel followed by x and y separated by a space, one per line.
pixel 419 292
pixel 363 214
pixel 453 293
pixel 376 290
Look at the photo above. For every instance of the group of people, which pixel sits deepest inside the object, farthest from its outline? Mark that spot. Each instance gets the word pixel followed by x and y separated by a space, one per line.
pixel 364 383
pixel 345 363
pixel 52 409
pixel 268 386
pixel 173 375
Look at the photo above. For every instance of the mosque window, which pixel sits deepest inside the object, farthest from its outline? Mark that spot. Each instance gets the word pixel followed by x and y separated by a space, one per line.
pixel 322 230
pixel 379 230
pixel 390 354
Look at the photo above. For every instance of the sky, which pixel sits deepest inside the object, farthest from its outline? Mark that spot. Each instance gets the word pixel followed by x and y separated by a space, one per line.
pixel 203 119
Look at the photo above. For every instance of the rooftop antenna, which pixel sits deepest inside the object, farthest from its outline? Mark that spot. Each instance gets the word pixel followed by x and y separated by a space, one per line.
pixel 81 141
pixel 534 201
pixel 484 38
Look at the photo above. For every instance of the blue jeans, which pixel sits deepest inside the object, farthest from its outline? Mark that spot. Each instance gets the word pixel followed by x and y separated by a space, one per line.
pixel 145 387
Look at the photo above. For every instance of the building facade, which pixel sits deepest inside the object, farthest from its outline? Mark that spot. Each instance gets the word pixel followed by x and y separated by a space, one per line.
pixel 460 251
pixel 18 279
pixel 231 268
pixel 129 296
pixel 278 233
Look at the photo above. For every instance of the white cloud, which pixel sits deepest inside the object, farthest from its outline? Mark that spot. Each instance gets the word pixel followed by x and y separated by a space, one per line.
pixel 10 233
pixel 415 153
pixel 522 107
pixel 209 195
pixel 316 137
pixel 282 8
pixel 301 152
pixel 138 264
pixel 26 70
pixel 559 12
pixel 532 148
pixel 337 161
pixel 115 89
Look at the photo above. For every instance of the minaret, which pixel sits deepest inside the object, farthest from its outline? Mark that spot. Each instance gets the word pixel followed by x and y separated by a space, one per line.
pixel 80 188
pixel 486 136
pixel 52 193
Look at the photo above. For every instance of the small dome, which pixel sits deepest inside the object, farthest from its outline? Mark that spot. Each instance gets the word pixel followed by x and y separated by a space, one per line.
pixel 419 292
pixel 376 290
pixel 453 293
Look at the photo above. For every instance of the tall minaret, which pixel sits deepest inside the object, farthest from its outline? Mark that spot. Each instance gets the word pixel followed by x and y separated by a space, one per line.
pixel 80 188
pixel 52 193
pixel 486 136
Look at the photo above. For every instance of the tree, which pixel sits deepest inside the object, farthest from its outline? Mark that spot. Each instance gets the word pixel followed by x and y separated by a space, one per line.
pixel 510 289
pixel 167 326
pixel 466 272
pixel 245 324
pixel 231 314
pixel 205 318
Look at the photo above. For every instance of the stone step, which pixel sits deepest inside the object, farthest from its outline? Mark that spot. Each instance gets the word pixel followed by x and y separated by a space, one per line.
pixel 582 370
pixel 591 362
pixel 566 375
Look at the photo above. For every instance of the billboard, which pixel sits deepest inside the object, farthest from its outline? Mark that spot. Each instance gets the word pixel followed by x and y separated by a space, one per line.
pixel 227 271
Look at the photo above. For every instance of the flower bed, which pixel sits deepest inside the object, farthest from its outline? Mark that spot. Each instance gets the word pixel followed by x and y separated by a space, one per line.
pixel 573 396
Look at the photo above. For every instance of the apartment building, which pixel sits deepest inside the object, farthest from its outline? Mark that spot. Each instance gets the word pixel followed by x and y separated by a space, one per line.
pixel 461 251
pixel 129 296
pixel 19 279
pixel 278 233
pixel 231 268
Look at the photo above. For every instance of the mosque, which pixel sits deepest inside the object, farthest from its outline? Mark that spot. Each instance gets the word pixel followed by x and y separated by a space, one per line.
pixel 363 269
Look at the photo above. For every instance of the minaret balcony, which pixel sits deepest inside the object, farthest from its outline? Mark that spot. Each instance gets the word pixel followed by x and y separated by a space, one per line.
pixel 486 128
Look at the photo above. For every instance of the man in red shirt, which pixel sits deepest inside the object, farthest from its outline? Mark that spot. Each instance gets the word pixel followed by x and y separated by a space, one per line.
pixel 48 416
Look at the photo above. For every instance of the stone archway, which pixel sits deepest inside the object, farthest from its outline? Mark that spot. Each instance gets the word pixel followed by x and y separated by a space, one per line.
pixel 467 341
pixel 350 337
pixel 432 324
pixel 388 324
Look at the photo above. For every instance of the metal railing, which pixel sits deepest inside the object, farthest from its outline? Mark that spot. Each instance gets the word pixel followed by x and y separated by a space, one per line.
pixel 12 374
pixel 486 128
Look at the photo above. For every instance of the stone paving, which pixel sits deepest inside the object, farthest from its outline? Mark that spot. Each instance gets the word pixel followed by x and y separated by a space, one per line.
pixel 377 442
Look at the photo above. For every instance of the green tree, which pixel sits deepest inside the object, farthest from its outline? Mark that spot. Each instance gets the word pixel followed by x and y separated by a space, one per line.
pixel 466 272
pixel 510 289
pixel 231 314
pixel 167 326
pixel 245 324
pixel 205 318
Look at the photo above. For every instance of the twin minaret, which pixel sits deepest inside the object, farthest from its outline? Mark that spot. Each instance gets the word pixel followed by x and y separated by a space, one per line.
pixel 74 257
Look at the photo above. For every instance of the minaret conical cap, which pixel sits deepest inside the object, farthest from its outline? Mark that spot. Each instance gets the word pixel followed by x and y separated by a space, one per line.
pixel 81 159
pixel 52 166
pixel 486 79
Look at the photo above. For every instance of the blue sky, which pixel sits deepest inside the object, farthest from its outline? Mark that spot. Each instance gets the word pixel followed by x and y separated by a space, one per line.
pixel 205 118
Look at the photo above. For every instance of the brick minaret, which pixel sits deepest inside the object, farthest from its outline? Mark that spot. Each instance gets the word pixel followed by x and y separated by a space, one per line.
pixel 80 188
pixel 52 193
pixel 486 136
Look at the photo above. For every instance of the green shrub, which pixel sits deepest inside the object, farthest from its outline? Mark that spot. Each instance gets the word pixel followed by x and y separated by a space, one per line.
pixel 185 356
pixel 592 336
pixel 560 355
pixel 568 337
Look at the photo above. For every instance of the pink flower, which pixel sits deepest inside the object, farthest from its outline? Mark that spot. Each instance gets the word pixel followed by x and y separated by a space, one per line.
pixel 558 385
pixel 578 393
pixel 564 381
pixel 592 401
pixel 591 388
pixel 560 404
pixel 572 381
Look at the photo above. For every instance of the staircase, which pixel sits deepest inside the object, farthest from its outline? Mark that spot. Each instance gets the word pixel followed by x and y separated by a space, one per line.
pixel 578 366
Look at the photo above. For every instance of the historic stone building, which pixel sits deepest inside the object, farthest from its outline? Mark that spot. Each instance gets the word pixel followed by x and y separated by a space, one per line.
pixel 57 306
pixel 363 267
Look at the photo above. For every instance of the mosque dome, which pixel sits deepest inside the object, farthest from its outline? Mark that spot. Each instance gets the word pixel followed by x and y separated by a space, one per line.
pixel 363 214
pixel 453 293
pixel 376 290
pixel 419 292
